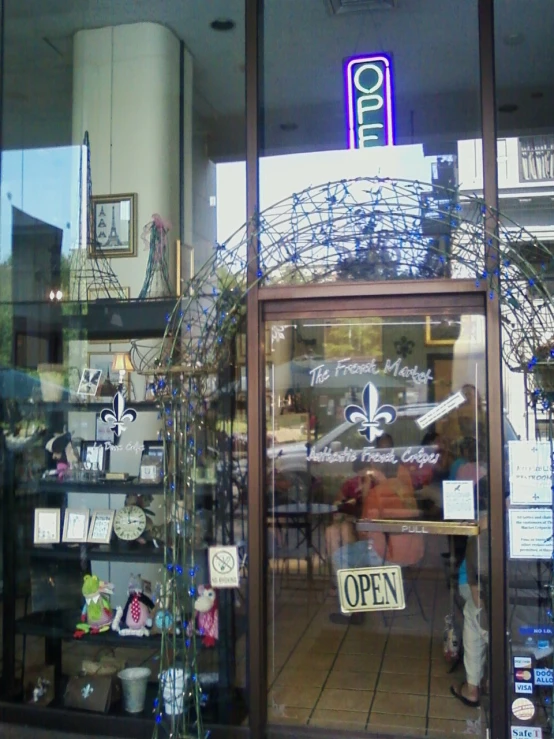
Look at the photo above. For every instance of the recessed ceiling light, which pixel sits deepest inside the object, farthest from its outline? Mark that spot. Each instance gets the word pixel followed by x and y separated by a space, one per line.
pixel 288 126
pixel 508 108
pixel 222 24
pixel 513 39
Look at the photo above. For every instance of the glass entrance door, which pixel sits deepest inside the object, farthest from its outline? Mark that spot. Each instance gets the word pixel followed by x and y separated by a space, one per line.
pixel 377 500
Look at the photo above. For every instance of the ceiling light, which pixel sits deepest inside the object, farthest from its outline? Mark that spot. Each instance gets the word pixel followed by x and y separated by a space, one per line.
pixel 508 108
pixel 222 24
pixel 513 39
pixel 288 126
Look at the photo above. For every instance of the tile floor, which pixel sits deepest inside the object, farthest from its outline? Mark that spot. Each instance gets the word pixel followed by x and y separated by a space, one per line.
pixel 387 675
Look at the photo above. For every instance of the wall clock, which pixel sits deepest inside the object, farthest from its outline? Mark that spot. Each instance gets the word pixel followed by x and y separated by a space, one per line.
pixel 129 522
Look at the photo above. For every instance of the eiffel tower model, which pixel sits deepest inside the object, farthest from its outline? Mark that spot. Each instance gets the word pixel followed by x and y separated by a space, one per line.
pixel 90 274
pixel 113 238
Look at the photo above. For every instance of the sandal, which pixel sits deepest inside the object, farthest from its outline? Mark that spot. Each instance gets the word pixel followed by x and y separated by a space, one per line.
pixel 466 701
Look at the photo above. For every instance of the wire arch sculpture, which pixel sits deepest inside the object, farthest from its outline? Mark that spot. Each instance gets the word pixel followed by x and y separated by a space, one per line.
pixel 362 229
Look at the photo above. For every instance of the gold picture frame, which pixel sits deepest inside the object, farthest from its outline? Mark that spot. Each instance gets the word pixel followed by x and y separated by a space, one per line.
pixel 114 219
pixel 440 333
pixel 75 525
pixel 47 526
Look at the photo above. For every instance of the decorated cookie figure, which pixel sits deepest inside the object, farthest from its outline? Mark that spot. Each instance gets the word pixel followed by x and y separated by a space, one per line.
pixel 207 617
pixel 97 613
pixel 135 618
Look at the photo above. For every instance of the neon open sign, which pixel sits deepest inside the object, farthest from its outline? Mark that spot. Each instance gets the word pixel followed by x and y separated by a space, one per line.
pixel 369 101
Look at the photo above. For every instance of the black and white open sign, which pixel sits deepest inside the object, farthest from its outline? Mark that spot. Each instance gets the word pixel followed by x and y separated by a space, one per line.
pixel 371 589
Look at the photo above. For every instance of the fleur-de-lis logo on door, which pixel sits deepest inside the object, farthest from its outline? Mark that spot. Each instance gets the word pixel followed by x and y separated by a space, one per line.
pixel 118 414
pixel 370 414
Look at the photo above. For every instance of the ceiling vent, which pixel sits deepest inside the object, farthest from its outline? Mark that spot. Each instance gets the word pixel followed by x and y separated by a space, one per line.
pixel 339 7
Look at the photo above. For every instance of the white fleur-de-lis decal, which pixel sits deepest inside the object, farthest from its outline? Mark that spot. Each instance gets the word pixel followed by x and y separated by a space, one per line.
pixel 370 414
pixel 118 414
pixel 87 691
pixel 278 333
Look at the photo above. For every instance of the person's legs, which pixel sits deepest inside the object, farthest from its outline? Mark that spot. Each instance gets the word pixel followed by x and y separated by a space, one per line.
pixel 338 535
pixel 475 640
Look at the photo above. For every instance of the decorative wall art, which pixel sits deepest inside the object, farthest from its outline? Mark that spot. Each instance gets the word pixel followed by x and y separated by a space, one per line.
pixel 114 226
pixel 90 379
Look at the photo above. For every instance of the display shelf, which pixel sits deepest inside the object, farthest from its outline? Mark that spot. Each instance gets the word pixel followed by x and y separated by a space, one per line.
pixel 94 406
pixel 116 551
pixel 115 320
pixel 106 487
pixel 62 624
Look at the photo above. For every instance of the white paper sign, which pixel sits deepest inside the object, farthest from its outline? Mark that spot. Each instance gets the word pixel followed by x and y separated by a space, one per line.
pixel 530 533
pixel 448 405
pixel 530 473
pixel 458 500
pixel 224 567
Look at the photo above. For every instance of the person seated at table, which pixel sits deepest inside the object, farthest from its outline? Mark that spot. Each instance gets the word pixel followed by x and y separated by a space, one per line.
pixel 387 492
pixel 349 507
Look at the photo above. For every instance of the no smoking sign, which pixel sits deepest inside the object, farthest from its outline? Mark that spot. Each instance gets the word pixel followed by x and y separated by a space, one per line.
pixel 224 567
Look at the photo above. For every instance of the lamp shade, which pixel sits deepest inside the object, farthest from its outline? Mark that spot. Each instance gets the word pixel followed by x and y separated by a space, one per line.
pixel 122 363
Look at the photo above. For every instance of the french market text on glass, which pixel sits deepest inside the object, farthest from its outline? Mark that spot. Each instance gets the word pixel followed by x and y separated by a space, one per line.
pixel 345 367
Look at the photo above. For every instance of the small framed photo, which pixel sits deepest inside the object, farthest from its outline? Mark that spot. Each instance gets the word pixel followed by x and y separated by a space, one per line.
pixel 155 449
pixel 115 232
pixel 90 379
pixel 75 525
pixel 47 526
pixel 94 456
pixel 101 527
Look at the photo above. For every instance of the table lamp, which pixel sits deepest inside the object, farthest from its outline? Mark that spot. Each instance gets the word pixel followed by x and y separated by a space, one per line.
pixel 122 364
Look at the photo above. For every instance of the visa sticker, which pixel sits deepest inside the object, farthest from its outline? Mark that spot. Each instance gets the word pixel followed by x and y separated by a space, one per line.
pixel 522 662
pixel 526 732
pixel 544 676
pixel 525 688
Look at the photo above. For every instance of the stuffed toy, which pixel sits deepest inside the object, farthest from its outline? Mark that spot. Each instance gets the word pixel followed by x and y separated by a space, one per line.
pixel 61 449
pixel 163 619
pixel 207 617
pixel 97 613
pixel 135 618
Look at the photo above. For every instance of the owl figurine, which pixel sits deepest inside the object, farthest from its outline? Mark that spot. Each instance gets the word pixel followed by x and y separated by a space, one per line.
pixel 135 618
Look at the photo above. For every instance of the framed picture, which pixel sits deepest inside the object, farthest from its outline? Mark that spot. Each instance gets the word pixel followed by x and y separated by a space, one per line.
pixel 75 525
pixel 101 527
pixel 47 526
pixel 102 360
pixel 115 232
pixel 90 379
pixel 154 449
pixel 94 456
pixel 442 331
pixel 108 293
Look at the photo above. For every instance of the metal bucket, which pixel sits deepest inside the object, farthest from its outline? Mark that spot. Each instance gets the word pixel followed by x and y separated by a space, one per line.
pixel 134 681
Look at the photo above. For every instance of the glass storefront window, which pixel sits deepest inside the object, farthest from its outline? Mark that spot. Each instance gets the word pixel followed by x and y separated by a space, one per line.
pixel 526 188
pixel 435 110
pixel 377 457
pixel 111 133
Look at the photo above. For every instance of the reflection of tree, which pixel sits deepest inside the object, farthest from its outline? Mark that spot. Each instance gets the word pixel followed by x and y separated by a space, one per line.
pixel 358 338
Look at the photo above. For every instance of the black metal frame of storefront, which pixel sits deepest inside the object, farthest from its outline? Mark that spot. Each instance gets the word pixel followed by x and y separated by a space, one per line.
pixel 257 296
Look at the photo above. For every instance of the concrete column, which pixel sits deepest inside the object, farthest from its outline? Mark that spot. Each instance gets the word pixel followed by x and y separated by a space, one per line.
pixel 126 94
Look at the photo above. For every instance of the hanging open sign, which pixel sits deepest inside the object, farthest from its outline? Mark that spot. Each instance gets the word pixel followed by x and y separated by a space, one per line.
pixel 369 101
pixel 371 589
